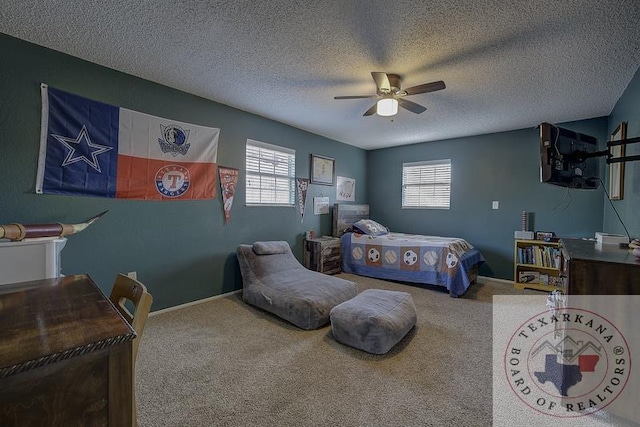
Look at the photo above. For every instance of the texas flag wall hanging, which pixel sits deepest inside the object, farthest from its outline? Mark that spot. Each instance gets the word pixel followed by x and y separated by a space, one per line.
pixel 89 148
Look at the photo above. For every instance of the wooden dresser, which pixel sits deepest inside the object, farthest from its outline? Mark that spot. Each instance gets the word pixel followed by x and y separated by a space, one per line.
pixel 594 269
pixel 65 355
pixel 322 254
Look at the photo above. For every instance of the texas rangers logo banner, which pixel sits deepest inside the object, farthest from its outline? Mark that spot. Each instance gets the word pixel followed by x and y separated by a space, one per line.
pixel 88 148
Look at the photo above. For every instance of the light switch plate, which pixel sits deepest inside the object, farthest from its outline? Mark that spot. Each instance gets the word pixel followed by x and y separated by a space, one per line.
pixel 495 204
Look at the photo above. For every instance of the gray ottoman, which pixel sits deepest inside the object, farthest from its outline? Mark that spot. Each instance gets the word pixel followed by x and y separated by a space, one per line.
pixel 374 321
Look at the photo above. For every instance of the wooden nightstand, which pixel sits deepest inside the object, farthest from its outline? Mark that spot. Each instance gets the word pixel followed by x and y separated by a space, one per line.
pixel 322 254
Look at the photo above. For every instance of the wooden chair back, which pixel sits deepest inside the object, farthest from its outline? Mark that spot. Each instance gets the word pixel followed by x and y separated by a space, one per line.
pixel 127 289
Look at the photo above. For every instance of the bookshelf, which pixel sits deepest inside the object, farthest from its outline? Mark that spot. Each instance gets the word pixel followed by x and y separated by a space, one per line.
pixel 537 265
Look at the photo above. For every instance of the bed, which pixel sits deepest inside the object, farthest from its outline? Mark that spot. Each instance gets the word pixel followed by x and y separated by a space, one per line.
pixel 370 249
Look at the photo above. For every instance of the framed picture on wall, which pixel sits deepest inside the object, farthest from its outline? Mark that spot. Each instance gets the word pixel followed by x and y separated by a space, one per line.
pixel 320 205
pixel 616 170
pixel 322 170
pixel 345 189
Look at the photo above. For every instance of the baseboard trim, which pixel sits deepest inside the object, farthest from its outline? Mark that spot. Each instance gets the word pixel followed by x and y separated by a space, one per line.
pixel 215 297
pixel 189 304
pixel 495 279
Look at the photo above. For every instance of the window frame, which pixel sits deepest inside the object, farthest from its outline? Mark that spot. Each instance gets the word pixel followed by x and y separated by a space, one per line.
pixel 433 164
pixel 251 172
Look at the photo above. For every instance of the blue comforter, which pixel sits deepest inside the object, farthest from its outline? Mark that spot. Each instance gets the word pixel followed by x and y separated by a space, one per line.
pixel 442 261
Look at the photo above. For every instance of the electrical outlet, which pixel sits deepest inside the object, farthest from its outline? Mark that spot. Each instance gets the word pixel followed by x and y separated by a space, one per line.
pixel 133 275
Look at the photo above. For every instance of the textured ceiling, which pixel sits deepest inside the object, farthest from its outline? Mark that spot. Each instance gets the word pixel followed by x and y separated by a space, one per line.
pixel 507 64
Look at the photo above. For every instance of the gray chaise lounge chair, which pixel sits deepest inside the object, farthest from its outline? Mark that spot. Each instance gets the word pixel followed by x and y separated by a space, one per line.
pixel 275 281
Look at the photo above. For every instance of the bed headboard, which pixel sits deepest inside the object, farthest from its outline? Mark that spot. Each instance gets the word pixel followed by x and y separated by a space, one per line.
pixel 344 215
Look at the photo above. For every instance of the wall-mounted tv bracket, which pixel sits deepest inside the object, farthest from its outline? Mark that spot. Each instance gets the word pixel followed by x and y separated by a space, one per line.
pixel 624 158
pixel 581 156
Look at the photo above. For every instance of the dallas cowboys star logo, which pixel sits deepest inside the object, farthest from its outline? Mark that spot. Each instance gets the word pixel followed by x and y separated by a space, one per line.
pixel 88 151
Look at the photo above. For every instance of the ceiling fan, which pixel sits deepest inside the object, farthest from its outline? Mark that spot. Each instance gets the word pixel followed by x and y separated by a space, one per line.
pixel 390 95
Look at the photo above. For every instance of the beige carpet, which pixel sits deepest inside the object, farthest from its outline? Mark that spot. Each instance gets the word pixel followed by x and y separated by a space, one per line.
pixel 224 363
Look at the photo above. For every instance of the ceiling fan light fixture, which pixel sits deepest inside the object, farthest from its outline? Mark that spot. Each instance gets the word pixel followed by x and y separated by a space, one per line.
pixel 387 107
pixel 391 96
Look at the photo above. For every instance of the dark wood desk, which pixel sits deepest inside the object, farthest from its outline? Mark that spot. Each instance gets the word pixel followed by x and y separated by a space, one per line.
pixel 65 355
pixel 594 269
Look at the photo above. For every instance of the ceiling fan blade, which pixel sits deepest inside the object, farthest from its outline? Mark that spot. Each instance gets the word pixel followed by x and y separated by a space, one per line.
pixel 355 97
pixel 382 82
pixel 371 111
pixel 411 106
pixel 427 87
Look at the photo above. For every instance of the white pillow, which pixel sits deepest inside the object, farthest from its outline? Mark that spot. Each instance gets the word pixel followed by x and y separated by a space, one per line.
pixel 370 227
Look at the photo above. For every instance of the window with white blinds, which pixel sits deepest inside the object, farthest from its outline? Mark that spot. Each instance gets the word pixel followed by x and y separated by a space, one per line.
pixel 270 174
pixel 426 184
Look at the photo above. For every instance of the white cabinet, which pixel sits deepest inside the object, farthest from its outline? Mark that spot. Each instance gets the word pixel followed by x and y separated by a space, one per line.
pixel 30 259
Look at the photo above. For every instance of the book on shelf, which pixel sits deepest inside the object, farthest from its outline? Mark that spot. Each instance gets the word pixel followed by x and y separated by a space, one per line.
pixel 528 277
pixel 540 256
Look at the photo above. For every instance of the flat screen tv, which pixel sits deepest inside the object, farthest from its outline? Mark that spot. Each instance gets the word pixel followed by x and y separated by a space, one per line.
pixel 568 158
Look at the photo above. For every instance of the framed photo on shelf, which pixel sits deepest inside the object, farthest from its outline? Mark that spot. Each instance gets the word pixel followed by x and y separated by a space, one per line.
pixel 547 236
pixel 322 170
pixel 616 170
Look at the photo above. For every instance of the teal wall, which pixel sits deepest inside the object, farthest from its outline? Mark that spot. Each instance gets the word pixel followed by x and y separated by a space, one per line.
pixel 627 109
pixel 184 252
pixel 181 250
pixel 502 166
